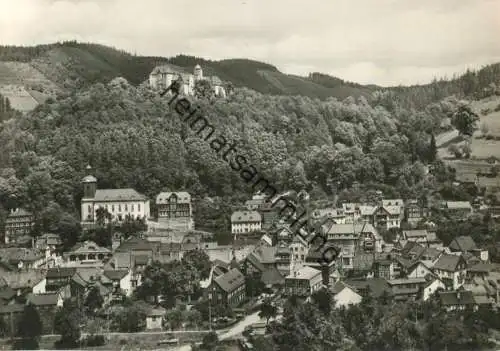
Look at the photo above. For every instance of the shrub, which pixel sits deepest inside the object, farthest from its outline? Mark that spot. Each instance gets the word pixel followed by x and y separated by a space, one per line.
pixel 497 108
pixel 94 340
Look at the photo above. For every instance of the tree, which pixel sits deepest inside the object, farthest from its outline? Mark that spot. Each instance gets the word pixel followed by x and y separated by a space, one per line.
pixel 432 149
pixel 29 329
pixel 210 341
pixel 203 89
pixel 102 215
pixel 268 310
pixel 67 324
pixel 465 120
pixel 94 300
pixel 323 301
pixel 198 260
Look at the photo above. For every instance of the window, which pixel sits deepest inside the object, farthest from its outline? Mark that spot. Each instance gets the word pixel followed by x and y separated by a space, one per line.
pixel 119 208
pixel 132 207
pixel 112 208
pixel 90 209
pixel 139 207
pixel 126 208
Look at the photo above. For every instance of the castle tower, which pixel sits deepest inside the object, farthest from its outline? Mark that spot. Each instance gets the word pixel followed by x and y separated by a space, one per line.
pixel 89 185
pixel 198 72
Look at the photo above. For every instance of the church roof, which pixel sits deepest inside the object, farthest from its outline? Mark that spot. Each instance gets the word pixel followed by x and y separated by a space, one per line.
pixel 118 195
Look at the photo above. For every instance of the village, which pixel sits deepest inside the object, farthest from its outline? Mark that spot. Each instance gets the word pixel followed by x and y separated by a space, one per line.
pixel 265 263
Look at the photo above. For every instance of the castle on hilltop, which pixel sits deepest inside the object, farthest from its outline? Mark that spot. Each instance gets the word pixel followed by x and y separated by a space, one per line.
pixel 162 76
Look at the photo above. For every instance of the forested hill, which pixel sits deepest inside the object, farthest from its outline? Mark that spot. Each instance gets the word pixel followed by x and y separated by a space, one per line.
pixel 132 139
pixel 76 65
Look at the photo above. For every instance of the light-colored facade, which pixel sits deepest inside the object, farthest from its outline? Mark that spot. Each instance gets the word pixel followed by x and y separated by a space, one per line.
pixel 245 222
pixel 175 210
pixel 19 222
pixel 348 237
pixel 431 288
pixel 303 282
pixel 118 203
pixel 345 296
pixel 163 76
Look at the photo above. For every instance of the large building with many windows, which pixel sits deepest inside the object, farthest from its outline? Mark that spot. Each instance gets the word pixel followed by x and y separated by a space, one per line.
pixel 175 210
pixel 115 204
pixel 19 222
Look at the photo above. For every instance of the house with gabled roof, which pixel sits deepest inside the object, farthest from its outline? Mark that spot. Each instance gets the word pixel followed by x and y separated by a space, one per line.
pixel 457 300
pixel 345 295
pixel 47 306
pixel 451 269
pixel 121 281
pixel 23 282
pixel 246 222
pixel 175 210
pixel 304 281
pixel 458 209
pixel 228 289
pixel 462 244
pixel 260 259
pixel 87 251
pixel 19 222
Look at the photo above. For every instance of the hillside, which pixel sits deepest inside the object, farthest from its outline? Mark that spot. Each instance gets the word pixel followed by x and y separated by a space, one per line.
pixel 72 65
pixel 75 65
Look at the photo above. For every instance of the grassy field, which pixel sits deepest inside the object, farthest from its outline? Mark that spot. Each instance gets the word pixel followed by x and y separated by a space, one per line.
pixel 482 148
pixel 24 85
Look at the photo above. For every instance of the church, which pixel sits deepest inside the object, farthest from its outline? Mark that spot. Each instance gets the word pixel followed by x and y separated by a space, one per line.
pixel 119 203
pixel 163 76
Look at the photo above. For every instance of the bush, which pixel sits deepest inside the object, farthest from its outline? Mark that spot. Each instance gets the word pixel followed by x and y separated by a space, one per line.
pixel 497 108
pixel 94 340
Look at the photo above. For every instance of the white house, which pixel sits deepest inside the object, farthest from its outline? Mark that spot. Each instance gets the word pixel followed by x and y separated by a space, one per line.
pixel 245 222
pixel 432 286
pixel 121 280
pixel 451 269
pixel 303 282
pixel 344 295
pixel 119 203
pixel 419 270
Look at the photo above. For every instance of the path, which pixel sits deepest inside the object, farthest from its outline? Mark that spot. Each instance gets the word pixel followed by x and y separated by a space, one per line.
pixel 239 327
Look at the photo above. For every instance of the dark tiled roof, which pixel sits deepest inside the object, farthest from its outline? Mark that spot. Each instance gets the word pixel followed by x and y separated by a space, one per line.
pixel 231 280
pixel 448 263
pixel 118 195
pixel 13 308
pixel 7 293
pixel 116 274
pixel 135 244
pixel 463 244
pixel 377 286
pixel 452 298
pixel 43 299
pixel 60 272
pixel 141 259
pixel 23 279
pixel 272 277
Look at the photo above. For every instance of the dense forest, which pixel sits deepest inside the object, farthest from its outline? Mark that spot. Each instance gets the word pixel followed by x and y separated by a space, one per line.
pixel 347 148
pixel 132 139
pixel 377 324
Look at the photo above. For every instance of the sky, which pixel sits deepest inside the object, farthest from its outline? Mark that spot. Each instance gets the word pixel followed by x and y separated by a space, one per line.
pixel 384 42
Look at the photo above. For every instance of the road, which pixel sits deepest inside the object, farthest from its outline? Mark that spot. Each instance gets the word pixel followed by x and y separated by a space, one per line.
pixel 239 327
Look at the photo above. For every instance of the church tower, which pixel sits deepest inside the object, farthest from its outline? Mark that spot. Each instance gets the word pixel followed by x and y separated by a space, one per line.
pixel 89 185
pixel 198 72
